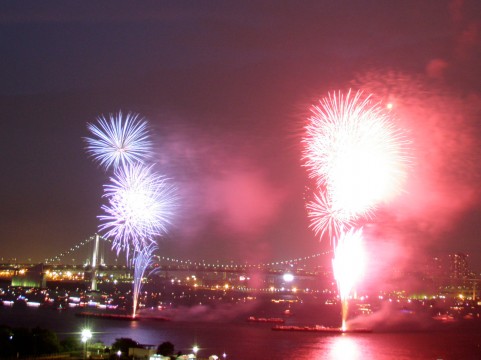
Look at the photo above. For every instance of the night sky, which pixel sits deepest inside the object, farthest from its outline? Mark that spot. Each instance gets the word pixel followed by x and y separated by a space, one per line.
pixel 227 87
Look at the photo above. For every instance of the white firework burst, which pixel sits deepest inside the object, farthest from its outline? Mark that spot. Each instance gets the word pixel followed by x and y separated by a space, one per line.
pixel 119 140
pixel 140 206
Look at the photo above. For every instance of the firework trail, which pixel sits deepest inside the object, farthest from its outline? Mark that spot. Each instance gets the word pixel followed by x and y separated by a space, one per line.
pixel 354 152
pixel 348 266
pixel 120 140
pixel 140 206
pixel 142 260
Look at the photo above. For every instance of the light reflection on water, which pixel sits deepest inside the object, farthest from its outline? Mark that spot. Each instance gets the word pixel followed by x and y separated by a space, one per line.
pixel 363 346
pixel 391 346
pixel 245 341
pixel 337 347
pixel 344 347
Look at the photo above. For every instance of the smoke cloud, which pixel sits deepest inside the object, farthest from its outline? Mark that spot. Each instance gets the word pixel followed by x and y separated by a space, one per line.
pixel 225 190
pixel 221 312
pixel 443 180
pixel 391 318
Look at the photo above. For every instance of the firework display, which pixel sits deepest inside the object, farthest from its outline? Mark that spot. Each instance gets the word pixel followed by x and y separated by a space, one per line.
pixel 140 206
pixel 356 155
pixel 139 201
pixel 358 159
pixel 120 140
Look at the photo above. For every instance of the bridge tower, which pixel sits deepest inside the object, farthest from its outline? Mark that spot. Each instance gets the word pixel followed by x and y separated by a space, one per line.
pixel 95 256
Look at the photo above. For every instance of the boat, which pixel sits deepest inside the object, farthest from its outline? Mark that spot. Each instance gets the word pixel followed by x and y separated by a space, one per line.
pixel 287 312
pixel 107 316
pixel 119 316
pixel 444 318
pixel 265 320
pixel 319 328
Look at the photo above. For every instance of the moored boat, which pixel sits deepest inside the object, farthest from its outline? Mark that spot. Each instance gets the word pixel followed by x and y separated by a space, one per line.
pixel 318 328
pixel 265 320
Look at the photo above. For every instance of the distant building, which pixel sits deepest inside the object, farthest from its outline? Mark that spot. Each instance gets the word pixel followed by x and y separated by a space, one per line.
pixel 459 268
pixel 144 352
pixel 33 277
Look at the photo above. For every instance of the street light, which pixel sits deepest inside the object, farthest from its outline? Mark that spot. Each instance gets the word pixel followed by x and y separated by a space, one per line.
pixel 86 334
pixel 195 349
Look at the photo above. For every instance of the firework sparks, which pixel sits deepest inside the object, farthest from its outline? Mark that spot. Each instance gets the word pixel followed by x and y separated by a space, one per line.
pixel 120 140
pixel 142 260
pixel 355 152
pixel 348 266
pixel 140 206
pixel 325 217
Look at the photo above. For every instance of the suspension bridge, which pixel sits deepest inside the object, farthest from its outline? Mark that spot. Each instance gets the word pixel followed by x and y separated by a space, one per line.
pixel 97 247
pixel 100 243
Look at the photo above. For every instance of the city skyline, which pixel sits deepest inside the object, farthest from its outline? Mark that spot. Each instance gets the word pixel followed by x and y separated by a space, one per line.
pixel 227 90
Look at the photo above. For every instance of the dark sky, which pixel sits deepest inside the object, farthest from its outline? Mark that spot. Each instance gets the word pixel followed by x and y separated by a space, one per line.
pixel 227 87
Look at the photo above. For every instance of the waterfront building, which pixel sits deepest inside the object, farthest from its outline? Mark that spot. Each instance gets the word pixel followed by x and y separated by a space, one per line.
pixel 33 277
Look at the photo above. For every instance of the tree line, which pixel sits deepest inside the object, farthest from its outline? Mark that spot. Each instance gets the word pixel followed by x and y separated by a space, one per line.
pixel 17 343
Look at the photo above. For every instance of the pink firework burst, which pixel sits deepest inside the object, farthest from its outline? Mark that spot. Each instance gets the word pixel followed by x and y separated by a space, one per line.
pixel 355 152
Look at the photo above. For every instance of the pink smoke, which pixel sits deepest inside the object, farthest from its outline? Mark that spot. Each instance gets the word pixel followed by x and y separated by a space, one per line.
pixel 223 186
pixel 442 184
pixel 442 126
pixel 244 201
